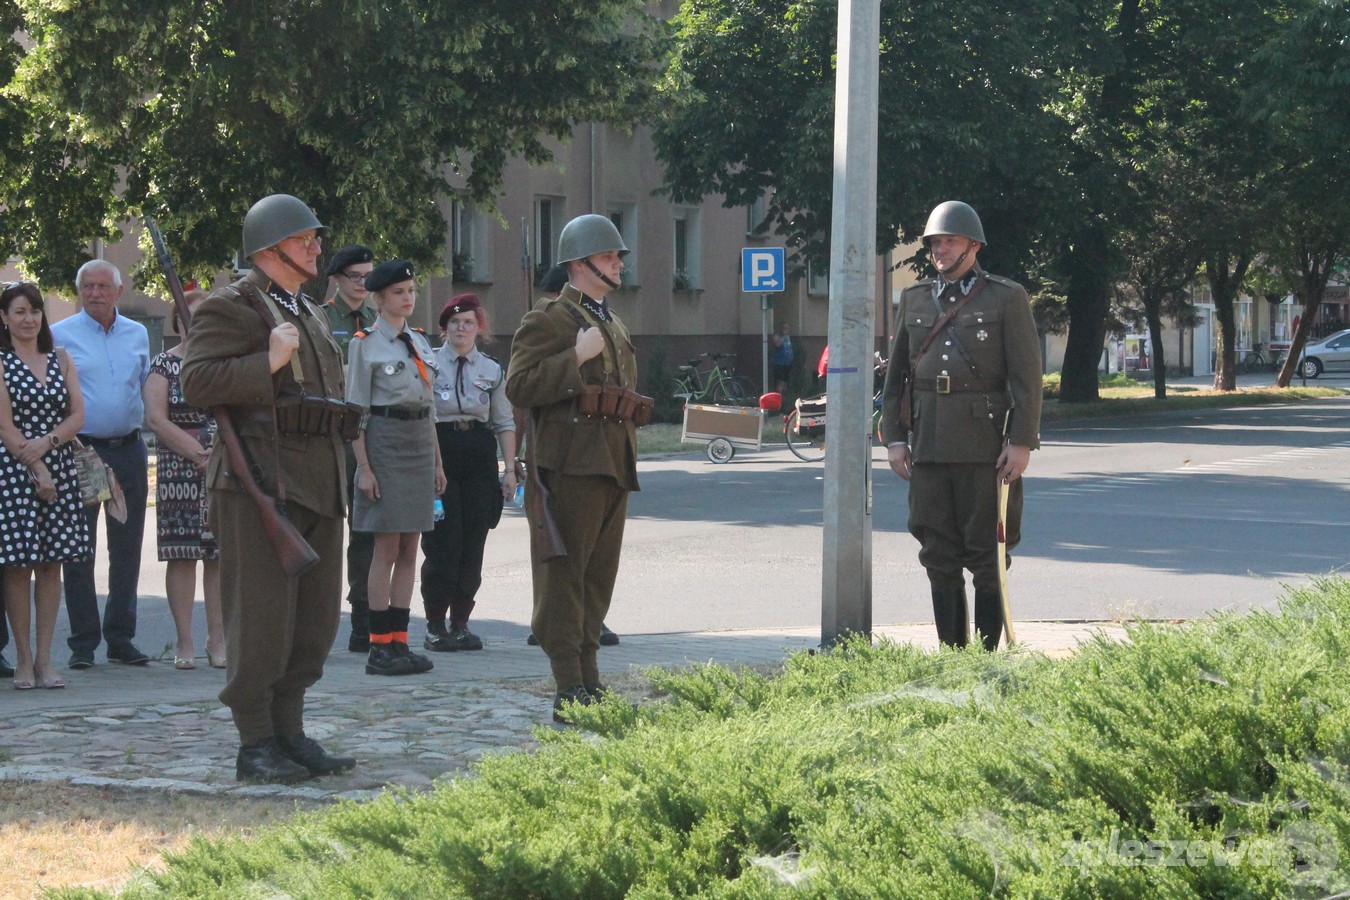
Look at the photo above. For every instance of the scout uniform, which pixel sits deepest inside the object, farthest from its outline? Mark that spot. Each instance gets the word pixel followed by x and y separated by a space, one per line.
pixel 589 463
pixel 344 322
pixel 984 367
pixel 471 408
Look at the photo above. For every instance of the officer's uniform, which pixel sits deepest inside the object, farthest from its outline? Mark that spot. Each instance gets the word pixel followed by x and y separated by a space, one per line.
pixel 278 630
pixel 393 387
pixel 589 463
pixel 959 408
pixel 471 408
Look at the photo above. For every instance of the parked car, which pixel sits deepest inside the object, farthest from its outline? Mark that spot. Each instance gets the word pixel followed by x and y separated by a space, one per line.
pixel 1331 352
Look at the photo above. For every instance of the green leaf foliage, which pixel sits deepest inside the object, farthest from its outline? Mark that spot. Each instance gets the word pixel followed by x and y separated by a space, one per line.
pixel 1204 760
pixel 366 111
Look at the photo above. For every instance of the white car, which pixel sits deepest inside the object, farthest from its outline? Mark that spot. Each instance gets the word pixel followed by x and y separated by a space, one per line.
pixel 1331 352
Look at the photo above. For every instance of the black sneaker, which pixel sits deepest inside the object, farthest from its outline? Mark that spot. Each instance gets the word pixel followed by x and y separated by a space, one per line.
pixel 597 691
pixel 607 637
pixel 576 694
pixel 307 752
pixel 420 663
pixel 127 655
pixel 81 659
pixel 265 763
pixel 382 660
pixel 464 639
pixel 532 640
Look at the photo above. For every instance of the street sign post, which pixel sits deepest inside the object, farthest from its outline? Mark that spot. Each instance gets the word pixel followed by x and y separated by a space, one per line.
pixel 764 272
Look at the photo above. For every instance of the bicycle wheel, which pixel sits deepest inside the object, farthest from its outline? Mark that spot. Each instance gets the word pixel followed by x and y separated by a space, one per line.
pixel 808 447
pixel 733 391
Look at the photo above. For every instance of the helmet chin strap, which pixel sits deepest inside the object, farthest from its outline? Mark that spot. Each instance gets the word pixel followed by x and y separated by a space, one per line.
pixel 970 245
pixel 295 266
pixel 598 274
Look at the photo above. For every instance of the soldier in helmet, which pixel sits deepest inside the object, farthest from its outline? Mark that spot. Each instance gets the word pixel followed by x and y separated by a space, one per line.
pixel 564 346
pixel 962 412
pixel 263 350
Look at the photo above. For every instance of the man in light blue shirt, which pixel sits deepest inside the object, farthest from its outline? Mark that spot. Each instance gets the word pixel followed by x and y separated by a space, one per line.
pixel 112 355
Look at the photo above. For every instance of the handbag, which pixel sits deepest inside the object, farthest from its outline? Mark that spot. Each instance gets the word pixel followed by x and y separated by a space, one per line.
pixel 97 482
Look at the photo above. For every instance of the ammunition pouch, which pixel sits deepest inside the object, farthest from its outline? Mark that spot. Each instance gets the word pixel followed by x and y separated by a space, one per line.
pixel 609 401
pixel 318 417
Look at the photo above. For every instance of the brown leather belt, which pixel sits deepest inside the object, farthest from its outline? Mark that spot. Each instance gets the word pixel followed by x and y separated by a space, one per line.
pixel 399 412
pixel 945 384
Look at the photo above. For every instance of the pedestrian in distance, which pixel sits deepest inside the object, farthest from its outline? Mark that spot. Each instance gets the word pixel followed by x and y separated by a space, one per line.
pixel 961 412
pixel 260 351
pixel 473 422
pixel 112 354
pixel 783 356
pixel 399 475
pixel 567 352
pixel 42 524
pixel 183 438
pixel 349 312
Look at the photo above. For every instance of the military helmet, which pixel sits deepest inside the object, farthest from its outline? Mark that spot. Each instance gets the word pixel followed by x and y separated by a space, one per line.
pixel 588 235
pixel 274 218
pixel 954 217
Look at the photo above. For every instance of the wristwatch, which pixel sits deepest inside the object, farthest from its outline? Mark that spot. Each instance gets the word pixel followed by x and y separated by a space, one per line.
pixel 56 441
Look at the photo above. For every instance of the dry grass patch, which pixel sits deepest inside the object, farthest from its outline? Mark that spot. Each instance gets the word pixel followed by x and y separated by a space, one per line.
pixel 56 835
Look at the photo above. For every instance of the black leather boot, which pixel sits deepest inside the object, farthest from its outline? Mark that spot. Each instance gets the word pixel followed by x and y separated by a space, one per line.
pixel 950 615
pixel 359 642
pixel 307 752
pixel 988 618
pixel 383 660
pixel 265 763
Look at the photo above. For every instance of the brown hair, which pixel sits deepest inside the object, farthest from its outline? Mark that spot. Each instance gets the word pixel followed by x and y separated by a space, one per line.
pixel 26 289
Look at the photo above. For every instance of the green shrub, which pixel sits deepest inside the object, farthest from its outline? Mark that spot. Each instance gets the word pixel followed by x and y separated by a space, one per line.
pixel 1203 760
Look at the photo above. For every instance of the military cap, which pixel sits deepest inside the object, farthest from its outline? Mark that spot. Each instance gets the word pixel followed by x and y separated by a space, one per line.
pixel 460 303
pixel 554 280
pixel 391 271
pixel 348 256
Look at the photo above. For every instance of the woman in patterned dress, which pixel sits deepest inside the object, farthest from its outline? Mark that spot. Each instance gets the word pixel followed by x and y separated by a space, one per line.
pixel 183 437
pixel 42 521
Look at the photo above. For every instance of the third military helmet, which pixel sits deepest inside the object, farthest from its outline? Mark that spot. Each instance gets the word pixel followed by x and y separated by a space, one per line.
pixel 588 235
pixel 954 217
pixel 276 217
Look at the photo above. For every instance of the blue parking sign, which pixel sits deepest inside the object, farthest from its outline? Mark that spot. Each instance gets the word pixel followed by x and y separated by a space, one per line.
pixel 763 269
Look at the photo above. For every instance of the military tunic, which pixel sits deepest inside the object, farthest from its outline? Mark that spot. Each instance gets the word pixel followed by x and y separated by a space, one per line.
pixel 393 387
pixel 589 463
pixel 959 409
pixel 344 322
pixel 278 630
pixel 471 408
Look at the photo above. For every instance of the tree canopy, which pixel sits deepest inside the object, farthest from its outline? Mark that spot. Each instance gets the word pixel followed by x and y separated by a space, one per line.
pixel 193 109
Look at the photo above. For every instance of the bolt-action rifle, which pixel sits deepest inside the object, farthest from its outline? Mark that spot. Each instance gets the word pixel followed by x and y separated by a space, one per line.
pixel 294 552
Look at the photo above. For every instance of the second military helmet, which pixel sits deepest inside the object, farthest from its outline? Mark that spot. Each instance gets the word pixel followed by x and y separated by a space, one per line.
pixel 954 217
pixel 588 235
pixel 276 217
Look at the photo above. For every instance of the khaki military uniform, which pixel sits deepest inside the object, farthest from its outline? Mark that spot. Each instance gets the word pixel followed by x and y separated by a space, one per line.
pixel 959 410
pixel 278 630
pixel 589 464
pixel 344 322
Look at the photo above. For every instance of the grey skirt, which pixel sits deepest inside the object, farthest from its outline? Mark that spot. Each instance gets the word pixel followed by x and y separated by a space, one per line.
pixel 403 457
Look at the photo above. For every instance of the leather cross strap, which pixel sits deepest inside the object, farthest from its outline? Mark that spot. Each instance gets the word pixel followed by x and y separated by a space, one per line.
pixel 944 320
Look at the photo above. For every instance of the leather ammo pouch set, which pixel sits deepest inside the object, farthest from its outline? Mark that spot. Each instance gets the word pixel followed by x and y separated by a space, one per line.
pixel 318 416
pixel 609 401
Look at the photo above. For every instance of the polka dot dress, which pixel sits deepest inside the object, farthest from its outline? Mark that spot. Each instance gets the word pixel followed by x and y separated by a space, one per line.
pixel 32 531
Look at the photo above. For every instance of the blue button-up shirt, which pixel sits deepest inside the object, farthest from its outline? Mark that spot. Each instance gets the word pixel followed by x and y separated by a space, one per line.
pixel 112 365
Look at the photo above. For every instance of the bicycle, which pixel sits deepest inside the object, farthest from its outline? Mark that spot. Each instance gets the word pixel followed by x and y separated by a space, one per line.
pixel 1256 360
pixel 718 386
pixel 804 427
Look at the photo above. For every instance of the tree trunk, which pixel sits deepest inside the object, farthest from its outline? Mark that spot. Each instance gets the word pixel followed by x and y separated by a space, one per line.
pixel 1089 300
pixel 1156 349
pixel 1225 281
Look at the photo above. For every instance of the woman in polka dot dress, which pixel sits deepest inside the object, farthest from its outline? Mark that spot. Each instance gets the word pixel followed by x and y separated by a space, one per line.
pixel 42 521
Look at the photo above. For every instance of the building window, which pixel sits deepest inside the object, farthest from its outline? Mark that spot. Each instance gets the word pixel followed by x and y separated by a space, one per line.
pixel 686 258
pixel 818 278
pixel 469 244
pixel 548 221
pixel 756 217
pixel 624 217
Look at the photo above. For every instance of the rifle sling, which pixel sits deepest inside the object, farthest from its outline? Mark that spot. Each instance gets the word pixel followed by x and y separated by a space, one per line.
pixel 270 317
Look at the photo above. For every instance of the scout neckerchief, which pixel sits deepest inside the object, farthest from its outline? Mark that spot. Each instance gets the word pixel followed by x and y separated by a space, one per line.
pixel 406 337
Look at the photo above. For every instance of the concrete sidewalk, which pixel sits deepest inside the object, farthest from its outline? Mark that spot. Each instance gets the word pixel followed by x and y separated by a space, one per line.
pixel 156 728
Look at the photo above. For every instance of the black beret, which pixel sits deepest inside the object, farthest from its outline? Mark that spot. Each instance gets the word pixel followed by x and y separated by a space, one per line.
pixel 555 279
pixel 391 271
pixel 347 256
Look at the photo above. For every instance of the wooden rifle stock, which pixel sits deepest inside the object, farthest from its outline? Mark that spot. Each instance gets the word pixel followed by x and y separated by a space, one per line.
pixel 293 551
pixel 541 499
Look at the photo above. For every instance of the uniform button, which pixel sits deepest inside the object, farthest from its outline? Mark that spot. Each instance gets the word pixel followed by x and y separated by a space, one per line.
pixel 945 357
pixel 949 343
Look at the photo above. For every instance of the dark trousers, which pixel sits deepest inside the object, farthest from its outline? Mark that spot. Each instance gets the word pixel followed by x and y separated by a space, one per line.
pixel 278 630
pixel 360 551
pixel 572 593
pixel 4 620
pixel 129 463
pixel 452 552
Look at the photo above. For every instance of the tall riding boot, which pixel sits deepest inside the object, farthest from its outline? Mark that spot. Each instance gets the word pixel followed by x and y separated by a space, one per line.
pixel 950 614
pixel 988 618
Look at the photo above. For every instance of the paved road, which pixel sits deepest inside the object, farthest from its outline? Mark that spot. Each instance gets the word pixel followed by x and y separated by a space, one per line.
pixel 1171 515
